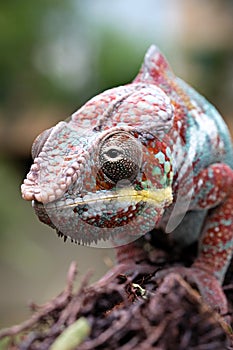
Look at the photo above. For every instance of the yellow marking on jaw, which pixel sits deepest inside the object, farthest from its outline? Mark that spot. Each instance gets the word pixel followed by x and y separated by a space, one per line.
pixel 155 197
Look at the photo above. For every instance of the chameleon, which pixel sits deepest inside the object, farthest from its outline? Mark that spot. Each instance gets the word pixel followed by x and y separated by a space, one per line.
pixel 152 154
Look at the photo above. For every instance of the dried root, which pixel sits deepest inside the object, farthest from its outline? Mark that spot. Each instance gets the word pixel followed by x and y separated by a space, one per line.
pixel 122 312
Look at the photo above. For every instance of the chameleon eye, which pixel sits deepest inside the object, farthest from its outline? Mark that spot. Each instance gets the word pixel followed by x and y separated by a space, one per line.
pixel 120 157
pixel 113 154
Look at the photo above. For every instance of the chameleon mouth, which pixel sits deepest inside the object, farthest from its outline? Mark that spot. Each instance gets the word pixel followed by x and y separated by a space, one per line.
pixel 118 217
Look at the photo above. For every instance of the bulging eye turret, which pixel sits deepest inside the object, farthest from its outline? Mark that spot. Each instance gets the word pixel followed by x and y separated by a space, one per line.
pixel 120 157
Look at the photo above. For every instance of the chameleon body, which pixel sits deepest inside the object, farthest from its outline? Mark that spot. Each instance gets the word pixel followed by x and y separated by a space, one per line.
pixel 151 154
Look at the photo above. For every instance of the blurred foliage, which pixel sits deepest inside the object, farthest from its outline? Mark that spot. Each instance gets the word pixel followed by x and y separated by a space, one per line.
pixel 52 53
pixel 34 34
pixel 119 63
pixel 22 30
pixel 53 59
pixel 214 75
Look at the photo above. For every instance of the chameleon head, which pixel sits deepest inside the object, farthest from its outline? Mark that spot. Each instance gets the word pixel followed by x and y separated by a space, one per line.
pixel 104 177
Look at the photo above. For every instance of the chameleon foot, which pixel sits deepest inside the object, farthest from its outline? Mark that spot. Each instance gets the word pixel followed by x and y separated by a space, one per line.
pixel 207 285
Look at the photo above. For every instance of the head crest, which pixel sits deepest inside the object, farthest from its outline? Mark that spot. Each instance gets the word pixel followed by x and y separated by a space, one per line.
pixel 155 68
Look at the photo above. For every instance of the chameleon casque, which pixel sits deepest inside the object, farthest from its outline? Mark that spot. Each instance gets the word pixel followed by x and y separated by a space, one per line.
pixel 150 154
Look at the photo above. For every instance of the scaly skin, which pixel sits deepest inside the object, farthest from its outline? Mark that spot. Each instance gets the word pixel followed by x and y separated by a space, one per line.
pixel 151 154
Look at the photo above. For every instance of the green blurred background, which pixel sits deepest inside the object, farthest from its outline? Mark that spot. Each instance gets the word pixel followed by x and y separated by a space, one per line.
pixel 54 55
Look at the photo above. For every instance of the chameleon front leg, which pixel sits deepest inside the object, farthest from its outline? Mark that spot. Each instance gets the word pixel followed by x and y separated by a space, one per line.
pixel 214 191
pixel 133 257
pixel 215 252
pixel 132 253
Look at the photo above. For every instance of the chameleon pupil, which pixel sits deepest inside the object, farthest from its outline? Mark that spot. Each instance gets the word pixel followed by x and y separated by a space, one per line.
pixel 113 153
